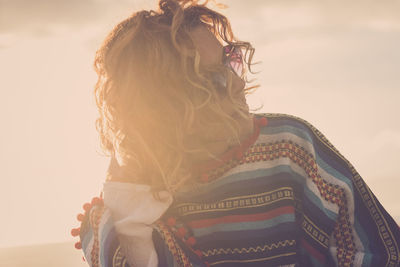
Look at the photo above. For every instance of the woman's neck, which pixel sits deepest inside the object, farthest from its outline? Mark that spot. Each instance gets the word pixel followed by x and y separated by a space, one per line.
pixel 218 147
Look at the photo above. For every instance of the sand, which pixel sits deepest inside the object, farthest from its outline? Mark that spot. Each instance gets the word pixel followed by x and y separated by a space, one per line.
pixel 56 254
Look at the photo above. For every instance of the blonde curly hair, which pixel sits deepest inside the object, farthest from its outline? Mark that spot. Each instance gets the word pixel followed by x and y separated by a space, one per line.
pixel 151 89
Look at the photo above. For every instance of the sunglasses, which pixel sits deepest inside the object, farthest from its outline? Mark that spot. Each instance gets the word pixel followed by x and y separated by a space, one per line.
pixel 232 58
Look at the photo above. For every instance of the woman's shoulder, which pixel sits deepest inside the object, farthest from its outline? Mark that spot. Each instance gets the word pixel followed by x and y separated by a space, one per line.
pixel 280 122
pixel 285 126
pixel 281 119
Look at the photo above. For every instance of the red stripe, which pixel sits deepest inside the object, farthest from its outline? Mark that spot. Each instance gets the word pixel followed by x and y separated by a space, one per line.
pixel 315 253
pixel 242 218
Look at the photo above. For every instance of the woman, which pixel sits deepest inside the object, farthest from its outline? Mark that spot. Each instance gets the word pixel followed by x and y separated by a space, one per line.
pixel 195 179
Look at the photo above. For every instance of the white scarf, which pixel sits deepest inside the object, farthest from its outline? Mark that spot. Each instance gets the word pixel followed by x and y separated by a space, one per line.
pixel 134 209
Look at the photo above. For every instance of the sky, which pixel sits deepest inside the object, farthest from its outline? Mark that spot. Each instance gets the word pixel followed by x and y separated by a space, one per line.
pixel 333 63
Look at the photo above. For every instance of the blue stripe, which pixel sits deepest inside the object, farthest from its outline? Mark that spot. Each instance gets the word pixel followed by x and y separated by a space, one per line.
pixel 303 131
pixel 239 181
pixel 110 244
pixel 105 231
pixel 86 240
pixel 279 232
pixel 239 226
pixel 367 260
pixel 317 201
pixel 321 156
pixel 364 240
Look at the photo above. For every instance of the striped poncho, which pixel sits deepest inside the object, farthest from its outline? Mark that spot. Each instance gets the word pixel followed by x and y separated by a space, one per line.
pixel 288 199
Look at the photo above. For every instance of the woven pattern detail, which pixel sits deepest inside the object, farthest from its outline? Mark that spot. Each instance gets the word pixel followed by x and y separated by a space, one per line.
pixel 250 249
pixel 174 248
pixel 94 218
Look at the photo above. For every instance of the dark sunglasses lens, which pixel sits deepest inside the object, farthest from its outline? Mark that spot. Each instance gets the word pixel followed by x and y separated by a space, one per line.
pixel 235 60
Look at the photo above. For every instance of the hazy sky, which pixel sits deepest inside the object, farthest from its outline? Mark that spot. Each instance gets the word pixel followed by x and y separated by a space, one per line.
pixel 334 63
